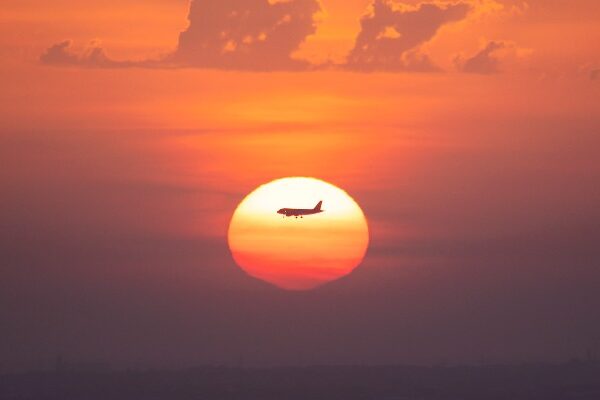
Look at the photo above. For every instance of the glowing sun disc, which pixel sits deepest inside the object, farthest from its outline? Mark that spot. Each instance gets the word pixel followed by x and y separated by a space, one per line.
pixel 298 253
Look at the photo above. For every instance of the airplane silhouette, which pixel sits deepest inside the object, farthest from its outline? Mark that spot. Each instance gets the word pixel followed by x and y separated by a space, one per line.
pixel 301 212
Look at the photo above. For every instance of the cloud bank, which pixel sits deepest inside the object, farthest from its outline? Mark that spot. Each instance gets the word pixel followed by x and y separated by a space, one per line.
pixel 93 56
pixel 493 58
pixel 263 35
pixel 228 34
pixel 246 34
pixel 486 61
pixel 392 34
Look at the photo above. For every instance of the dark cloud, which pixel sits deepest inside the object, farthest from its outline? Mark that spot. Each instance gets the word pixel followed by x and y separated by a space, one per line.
pixel 392 34
pixel 229 34
pixel 93 56
pixel 262 35
pixel 246 34
pixel 486 61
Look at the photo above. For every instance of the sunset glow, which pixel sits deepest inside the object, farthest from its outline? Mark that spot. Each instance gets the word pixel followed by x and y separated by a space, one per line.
pixel 298 253
pixel 147 146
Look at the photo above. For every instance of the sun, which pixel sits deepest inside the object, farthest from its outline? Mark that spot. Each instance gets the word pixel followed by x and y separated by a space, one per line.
pixel 298 253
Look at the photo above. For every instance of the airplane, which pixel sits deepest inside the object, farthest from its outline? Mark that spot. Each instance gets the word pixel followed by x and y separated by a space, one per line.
pixel 301 212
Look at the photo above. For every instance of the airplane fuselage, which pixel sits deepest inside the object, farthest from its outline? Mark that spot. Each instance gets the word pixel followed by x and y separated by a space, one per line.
pixel 296 212
pixel 300 212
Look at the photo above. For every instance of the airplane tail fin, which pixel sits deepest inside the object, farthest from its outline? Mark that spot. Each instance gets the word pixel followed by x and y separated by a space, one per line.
pixel 318 206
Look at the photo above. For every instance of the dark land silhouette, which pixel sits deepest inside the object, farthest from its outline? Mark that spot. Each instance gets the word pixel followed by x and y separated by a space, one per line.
pixel 573 380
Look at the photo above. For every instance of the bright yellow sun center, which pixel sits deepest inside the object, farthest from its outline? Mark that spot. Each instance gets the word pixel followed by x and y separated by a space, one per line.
pixel 298 253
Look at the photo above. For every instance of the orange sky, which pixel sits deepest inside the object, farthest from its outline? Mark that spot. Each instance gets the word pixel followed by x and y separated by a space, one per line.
pixel 130 29
pixel 550 41
pixel 387 115
pixel 470 164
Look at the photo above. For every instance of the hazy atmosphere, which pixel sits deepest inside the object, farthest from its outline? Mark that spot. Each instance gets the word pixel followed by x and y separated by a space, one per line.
pixel 467 131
